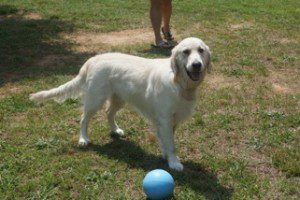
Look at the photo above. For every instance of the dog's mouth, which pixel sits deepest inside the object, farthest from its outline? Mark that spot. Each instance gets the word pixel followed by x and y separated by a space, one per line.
pixel 194 75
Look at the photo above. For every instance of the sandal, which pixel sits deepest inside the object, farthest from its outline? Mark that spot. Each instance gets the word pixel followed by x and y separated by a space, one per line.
pixel 167 35
pixel 163 45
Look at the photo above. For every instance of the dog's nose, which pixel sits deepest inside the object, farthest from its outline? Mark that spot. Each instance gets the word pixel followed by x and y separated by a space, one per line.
pixel 197 66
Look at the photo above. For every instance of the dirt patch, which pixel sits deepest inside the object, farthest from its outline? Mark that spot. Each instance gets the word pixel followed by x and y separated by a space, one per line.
pixel 50 60
pixel 277 37
pixel 12 89
pixel 280 89
pixel 285 81
pixel 285 41
pixel 21 14
pixel 218 81
pixel 239 147
pixel 33 16
pixel 243 25
pixel 125 37
pixel 261 164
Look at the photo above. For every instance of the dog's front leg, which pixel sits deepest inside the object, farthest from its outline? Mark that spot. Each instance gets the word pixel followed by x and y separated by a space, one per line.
pixel 166 138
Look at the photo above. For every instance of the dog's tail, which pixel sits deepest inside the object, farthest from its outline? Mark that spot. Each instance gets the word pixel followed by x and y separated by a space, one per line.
pixel 71 89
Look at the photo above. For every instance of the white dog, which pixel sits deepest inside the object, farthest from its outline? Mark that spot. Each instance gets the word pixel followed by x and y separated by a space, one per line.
pixel 163 90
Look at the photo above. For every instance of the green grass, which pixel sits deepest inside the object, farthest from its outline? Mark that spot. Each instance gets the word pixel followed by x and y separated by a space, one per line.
pixel 242 142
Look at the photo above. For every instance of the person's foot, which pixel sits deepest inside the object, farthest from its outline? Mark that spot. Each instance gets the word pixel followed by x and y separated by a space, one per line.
pixel 167 35
pixel 163 45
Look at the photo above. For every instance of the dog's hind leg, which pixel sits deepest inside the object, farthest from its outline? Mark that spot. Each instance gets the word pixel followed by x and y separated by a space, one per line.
pixel 91 105
pixel 115 104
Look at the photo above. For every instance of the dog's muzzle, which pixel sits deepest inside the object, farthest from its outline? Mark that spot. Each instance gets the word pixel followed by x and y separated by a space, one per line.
pixel 195 72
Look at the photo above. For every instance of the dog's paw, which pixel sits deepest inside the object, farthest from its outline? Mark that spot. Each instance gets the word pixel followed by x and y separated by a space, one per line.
pixel 118 133
pixel 175 164
pixel 83 142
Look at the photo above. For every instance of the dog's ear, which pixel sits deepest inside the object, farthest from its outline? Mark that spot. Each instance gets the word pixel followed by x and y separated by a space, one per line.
pixel 174 64
pixel 208 61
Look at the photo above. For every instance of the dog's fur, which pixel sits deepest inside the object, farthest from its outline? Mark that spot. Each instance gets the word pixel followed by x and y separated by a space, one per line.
pixel 163 90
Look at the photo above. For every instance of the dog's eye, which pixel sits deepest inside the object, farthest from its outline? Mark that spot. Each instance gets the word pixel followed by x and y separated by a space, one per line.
pixel 187 52
pixel 200 50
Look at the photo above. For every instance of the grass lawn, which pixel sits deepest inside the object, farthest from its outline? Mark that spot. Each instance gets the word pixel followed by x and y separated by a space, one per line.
pixel 242 143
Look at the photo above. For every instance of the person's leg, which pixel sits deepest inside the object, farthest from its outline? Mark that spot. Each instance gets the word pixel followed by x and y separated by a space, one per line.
pixel 156 18
pixel 166 14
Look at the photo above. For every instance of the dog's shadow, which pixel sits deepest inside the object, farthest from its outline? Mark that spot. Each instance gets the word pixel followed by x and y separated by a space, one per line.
pixel 194 175
pixel 157 51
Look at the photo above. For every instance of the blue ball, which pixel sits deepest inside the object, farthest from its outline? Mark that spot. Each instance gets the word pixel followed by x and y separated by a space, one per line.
pixel 158 184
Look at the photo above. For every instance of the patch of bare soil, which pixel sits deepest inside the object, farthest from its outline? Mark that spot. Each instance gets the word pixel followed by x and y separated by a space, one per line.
pixel 285 40
pixel 276 37
pixel 243 25
pixel 21 14
pixel 285 81
pixel 50 60
pixel 32 16
pixel 86 41
pixel 11 89
pixel 238 146
pixel 280 89
pixel 218 81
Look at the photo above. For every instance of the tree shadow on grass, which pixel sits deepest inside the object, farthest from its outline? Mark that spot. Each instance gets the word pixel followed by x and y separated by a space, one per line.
pixel 194 176
pixel 33 47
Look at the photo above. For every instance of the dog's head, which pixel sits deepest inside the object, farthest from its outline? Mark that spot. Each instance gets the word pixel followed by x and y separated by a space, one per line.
pixel 190 60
